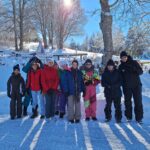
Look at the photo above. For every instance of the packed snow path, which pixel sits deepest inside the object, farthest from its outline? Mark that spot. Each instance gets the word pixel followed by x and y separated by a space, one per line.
pixel 57 134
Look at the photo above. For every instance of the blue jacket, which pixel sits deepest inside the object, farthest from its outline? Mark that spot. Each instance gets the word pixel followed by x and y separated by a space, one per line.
pixel 69 85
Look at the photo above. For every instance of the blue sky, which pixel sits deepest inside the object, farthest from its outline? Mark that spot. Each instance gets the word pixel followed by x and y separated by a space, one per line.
pixel 92 24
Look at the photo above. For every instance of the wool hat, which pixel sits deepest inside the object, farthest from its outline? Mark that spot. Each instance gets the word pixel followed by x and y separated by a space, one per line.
pixel 88 61
pixel 123 53
pixel 16 67
pixel 110 63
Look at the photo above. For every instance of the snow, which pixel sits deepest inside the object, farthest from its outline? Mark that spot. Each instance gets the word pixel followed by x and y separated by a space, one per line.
pixel 57 134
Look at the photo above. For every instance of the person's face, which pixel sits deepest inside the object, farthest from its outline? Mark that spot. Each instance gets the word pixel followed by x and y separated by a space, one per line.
pixel 110 67
pixel 51 64
pixel 124 59
pixel 74 65
pixel 16 72
pixel 88 65
pixel 34 66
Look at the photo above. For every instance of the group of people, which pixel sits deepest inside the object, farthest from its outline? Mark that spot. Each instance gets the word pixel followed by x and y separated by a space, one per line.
pixel 57 89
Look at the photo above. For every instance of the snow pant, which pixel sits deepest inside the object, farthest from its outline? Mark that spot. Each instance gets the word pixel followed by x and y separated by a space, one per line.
pixel 27 100
pixel 74 107
pixel 117 105
pixel 50 104
pixel 61 102
pixel 15 105
pixel 36 95
pixel 90 107
pixel 138 106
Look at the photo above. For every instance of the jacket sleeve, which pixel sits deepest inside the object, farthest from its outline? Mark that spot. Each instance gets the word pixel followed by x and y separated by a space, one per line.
pixel 28 80
pixel 56 80
pixel 43 82
pixel 137 68
pixel 23 86
pixel 82 82
pixel 103 81
pixel 9 87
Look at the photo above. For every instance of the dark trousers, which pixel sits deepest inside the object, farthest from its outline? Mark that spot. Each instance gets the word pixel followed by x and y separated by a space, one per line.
pixel 50 104
pixel 117 105
pixel 15 105
pixel 138 106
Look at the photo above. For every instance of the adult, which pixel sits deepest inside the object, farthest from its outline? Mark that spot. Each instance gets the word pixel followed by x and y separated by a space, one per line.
pixel 132 86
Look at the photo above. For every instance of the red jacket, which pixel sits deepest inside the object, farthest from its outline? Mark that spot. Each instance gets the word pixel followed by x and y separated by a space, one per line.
pixel 50 78
pixel 34 80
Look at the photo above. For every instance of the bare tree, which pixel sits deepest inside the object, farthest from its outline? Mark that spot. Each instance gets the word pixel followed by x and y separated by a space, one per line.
pixel 136 8
pixel 69 21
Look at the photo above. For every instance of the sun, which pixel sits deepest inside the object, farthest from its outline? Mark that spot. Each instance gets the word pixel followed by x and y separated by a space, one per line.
pixel 68 3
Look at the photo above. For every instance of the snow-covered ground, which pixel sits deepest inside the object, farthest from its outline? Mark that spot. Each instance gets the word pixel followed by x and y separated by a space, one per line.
pixel 57 134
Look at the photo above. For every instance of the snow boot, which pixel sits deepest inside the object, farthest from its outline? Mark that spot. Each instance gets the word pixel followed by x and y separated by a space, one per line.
pixel 71 121
pixel 25 111
pixel 42 117
pixel 61 115
pixel 94 118
pixel 87 119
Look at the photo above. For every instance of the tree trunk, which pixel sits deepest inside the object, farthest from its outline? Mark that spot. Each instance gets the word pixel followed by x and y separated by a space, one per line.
pixel 15 24
pixel 45 39
pixel 106 27
pixel 21 15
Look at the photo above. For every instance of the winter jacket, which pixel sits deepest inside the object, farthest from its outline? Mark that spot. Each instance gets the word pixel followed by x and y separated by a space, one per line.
pixel 49 78
pixel 91 80
pixel 111 81
pixel 73 83
pixel 15 84
pixel 34 80
pixel 62 81
pixel 130 72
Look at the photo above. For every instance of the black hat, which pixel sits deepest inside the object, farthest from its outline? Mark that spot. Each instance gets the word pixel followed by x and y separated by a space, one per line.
pixel 16 67
pixel 123 53
pixel 110 63
pixel 75 61
pixel 88 61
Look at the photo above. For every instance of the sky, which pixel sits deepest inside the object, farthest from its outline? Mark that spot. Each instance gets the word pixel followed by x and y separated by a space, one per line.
pixel 92 24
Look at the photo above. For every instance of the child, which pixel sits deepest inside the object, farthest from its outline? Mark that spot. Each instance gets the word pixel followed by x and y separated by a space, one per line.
pixel 111 81
pixel 91 80
pixel 16 90
pixel 34 84
pixel 61 96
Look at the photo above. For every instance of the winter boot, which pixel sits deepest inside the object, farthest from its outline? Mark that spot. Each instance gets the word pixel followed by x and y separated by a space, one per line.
pixel 61 115
pixel 36 110
pixel 25 111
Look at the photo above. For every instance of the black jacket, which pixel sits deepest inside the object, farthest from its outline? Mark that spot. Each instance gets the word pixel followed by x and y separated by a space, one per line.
pixel 130 72
pixel 15 84
pixel 111 81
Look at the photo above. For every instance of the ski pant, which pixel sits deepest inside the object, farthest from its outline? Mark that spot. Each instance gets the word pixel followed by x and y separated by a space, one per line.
pixel 117 105
pixel 15 105
pixel 50 104
pixel 61 102
pixel 37 96
pixel 74 107
pixel 90 107
pixel 137 97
